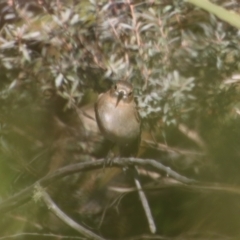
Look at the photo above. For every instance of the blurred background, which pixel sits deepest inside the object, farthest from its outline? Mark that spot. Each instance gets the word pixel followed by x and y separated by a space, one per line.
pixel 57 56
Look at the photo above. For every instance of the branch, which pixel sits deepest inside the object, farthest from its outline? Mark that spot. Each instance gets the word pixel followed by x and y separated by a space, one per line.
pixel 166 148
pixel 46 235
pixel 193 135
pixel 144 201
pixel 225 15
pixel 66 219
pixel 25 195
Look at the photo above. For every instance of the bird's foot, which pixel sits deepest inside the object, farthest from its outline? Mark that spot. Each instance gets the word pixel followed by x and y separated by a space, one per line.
pixel 108 161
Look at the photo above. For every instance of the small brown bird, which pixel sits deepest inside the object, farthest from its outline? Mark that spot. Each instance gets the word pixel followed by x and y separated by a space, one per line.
pixel 119 121
pixel 118 118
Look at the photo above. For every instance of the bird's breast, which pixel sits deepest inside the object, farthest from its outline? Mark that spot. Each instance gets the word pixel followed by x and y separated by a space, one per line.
pixel 119 124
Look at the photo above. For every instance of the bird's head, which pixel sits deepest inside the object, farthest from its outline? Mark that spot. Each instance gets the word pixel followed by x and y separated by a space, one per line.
pixel 122 91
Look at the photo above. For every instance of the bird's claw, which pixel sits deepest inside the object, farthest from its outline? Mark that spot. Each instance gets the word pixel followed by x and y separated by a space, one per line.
pixel 108 161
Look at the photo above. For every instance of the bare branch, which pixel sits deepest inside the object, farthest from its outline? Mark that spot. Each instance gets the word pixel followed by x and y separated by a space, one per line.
pixel 26 194
pixel 66 219
pixel 166 148
pixel 144 201
pixel 46 235
pixel 193 135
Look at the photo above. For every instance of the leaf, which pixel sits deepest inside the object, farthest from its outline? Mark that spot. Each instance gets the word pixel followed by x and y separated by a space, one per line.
pixel 59 80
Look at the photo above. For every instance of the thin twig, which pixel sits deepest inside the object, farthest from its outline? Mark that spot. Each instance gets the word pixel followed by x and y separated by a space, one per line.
pixel 135 24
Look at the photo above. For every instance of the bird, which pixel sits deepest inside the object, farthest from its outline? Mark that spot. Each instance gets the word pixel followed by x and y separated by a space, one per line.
pixel 119 121
pixel 118 118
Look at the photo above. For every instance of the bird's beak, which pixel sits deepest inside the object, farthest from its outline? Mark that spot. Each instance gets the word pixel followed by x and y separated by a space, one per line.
pixel 120 96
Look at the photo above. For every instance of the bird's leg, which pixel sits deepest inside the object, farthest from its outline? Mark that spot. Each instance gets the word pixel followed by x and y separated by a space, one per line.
pixel 110 155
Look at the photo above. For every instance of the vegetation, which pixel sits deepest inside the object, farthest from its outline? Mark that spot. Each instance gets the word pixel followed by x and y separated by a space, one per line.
pixel 57 56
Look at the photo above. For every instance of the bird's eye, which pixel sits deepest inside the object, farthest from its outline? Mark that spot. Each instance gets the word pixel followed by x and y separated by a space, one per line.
pixel 130 94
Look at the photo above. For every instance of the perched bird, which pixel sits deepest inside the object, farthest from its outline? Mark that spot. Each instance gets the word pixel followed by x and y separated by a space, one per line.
pixel 118 118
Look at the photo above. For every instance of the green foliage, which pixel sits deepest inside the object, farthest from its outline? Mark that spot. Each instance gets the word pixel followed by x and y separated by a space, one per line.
pixel 169 50
pixel 56 56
